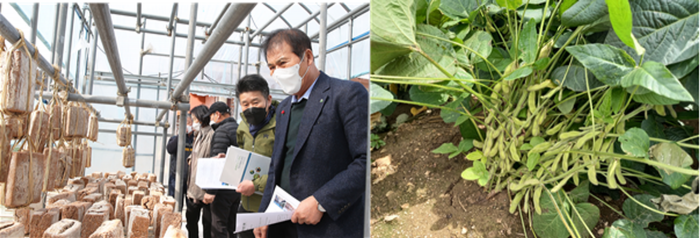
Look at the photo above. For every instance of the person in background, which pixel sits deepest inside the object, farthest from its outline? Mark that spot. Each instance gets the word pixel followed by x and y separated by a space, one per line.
pixel 223 203
pixel 257 134
pixel 172 150
pixel 320 150
pixel 195 194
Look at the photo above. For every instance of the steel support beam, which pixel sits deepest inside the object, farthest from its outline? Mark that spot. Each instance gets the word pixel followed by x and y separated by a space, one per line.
pixel 342 20
pixel 133 132
pixel 143 123
pixel 322 40
pixel 35 19
pixel 166 19
pixel 311 17
pixel 113 100
pixel 138 17
pixel 180 160
pixel 103 21
pixel 70 45
pixel 216 22
pixel 278 14
pixel 233 17
pixel 85 26
pixel 185 57
pixel 275 11
pixel 171 23
pixel 181 35
pixel 11 34
pixel 60 38
pixel 93 57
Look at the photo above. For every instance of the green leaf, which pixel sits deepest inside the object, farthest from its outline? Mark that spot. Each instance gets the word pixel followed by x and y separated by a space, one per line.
pixel 565 5
pixel 509 4
pixel 607 63
pixel 436 98
pixel 654 99
pixel 548 224
pixel 619 98
pixel 477 171
pixel 533 160
pixel 575 79
pixel 584 12
pixel 672 155
pixel 475 156
pixel 624 229
pixel 656 78
pixel 528 42
pixel 377 91
pixel 446 148
pixel 541 64
pixel 653 127
pixel 621 19
pixel 682 69
pixel 461 119
pixel 690 82
pixel 526 146
pixel 566 106
pixel 655 234
pixel 456 153
pixel 457 9
pixel 686 226
pixel 390 42
pixel 415 65
pixel 466 145
pixel 590 214
pixel 534 141
pixel 534 12
pixel 480 42
pixel 635 142
pixel 449 116
pixel 638 214
pixel 580 193
pixel 519 73
pixel 668 30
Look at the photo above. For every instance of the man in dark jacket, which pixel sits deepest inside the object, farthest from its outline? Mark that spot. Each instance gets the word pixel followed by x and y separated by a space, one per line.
pixel 223 203
pixel 320 150
pixel 172 150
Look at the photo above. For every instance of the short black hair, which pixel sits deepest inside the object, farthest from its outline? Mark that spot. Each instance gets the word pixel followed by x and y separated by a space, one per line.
pixel 296 38
pixel 200 112
pixel 252 83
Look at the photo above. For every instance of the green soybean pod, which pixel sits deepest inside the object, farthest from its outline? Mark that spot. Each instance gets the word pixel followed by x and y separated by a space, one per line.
pixel 561 183
pixel 592 175
pixel 516 201
pixel 555 129
pixel 618 174
pixel 532 101
pixel 536 199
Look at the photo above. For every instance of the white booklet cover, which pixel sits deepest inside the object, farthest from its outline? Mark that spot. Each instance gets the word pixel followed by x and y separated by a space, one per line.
pixel 243 165
pixel 208 174
pixel 280 209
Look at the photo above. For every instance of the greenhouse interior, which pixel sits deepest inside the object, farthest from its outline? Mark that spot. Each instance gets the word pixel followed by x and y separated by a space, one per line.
pixel 139 66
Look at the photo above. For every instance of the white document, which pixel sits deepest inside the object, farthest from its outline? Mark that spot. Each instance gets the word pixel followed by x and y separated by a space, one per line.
pixel 208 174
pixel 243 165
pixel 280 209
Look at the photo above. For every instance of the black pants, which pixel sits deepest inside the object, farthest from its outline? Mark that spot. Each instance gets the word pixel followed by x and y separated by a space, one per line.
pixel 248 233
pixel 223 213
pixel 285 229
pixel 193 210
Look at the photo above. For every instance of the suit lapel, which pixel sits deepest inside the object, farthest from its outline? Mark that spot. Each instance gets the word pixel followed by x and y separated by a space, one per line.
pixel 317 99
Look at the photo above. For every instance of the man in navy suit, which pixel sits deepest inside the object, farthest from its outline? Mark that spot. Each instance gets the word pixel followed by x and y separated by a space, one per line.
pixel 320 150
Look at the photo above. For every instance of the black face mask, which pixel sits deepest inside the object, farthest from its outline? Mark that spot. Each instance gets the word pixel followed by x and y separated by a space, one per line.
pixel 255 115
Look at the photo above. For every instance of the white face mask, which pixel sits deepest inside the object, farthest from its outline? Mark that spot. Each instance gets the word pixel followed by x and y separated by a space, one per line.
pixel 289 77
pixel 196 126
pixel 189 129
pixel 211 123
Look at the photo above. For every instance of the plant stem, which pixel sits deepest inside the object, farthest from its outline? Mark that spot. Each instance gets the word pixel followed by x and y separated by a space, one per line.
pixel 611 208
pixel 654 139
pixel 644 161
pixel 465 47
pixel 645 206
pixel 417 83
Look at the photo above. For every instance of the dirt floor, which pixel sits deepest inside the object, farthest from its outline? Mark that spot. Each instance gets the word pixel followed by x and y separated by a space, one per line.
pixel 425 196
pixel 416 193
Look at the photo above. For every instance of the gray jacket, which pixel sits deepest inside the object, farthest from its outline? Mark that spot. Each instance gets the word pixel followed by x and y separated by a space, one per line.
pixel 200 149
